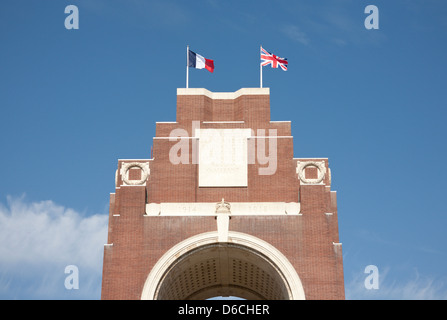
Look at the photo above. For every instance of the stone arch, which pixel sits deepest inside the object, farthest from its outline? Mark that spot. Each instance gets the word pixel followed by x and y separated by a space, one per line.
pixel 201 267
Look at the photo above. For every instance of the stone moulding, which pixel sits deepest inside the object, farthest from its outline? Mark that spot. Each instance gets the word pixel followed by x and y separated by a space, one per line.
pixel 211 208
pixel 302 165
pixel 126 166
pixel 278 260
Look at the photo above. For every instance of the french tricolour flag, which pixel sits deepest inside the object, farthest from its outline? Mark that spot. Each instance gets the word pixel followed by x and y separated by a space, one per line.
pixel 197 61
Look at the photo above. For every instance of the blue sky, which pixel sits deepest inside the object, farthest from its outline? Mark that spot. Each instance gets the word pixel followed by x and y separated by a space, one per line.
pixel 74 101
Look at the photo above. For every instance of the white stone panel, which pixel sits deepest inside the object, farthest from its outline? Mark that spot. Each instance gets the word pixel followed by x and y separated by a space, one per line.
pixel 223 157
pixel 209 208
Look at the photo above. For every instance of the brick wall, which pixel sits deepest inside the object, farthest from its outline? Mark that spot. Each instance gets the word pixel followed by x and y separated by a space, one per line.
pixel 307 240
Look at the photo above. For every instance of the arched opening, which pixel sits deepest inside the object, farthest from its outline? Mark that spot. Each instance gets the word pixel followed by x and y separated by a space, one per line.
pixel 202 268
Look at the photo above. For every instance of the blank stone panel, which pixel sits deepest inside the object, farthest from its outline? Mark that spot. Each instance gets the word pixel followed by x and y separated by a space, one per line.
pixel 223 157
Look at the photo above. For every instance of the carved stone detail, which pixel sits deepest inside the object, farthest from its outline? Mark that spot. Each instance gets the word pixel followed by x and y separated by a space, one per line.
pixel 223 207
pixel 301 168
pixel 126 166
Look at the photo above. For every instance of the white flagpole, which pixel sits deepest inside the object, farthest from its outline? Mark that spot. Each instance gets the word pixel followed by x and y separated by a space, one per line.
pixel 187 66
pixel 260 70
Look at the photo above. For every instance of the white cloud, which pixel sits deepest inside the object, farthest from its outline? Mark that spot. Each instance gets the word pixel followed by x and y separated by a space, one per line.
pixel 296 34
pixel 417 287
pixel 38 240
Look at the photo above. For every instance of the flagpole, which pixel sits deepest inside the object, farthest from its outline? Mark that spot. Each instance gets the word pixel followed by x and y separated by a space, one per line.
pixel 187 66
pixel 260 70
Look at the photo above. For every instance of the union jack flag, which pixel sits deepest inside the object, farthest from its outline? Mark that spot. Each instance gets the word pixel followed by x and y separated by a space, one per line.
pixel 269 58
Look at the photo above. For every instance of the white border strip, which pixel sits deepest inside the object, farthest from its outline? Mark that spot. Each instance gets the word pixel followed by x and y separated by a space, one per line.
pixel 222 95
pixel 236 208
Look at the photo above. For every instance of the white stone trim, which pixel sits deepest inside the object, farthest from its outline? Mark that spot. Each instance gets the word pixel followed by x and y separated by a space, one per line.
pixel 283 265
pixel 222 95
pixel 270 137
pixel 223 121
pixel 302 165
pixel 144 166
pixel 223 226
pixel 209 208
pixel 249 137
pixel 174 138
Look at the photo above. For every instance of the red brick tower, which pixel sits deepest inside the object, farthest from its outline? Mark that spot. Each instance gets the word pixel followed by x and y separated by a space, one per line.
pixel 223 209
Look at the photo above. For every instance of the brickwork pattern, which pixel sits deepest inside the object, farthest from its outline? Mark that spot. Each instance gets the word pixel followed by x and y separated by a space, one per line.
pixel 136 241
